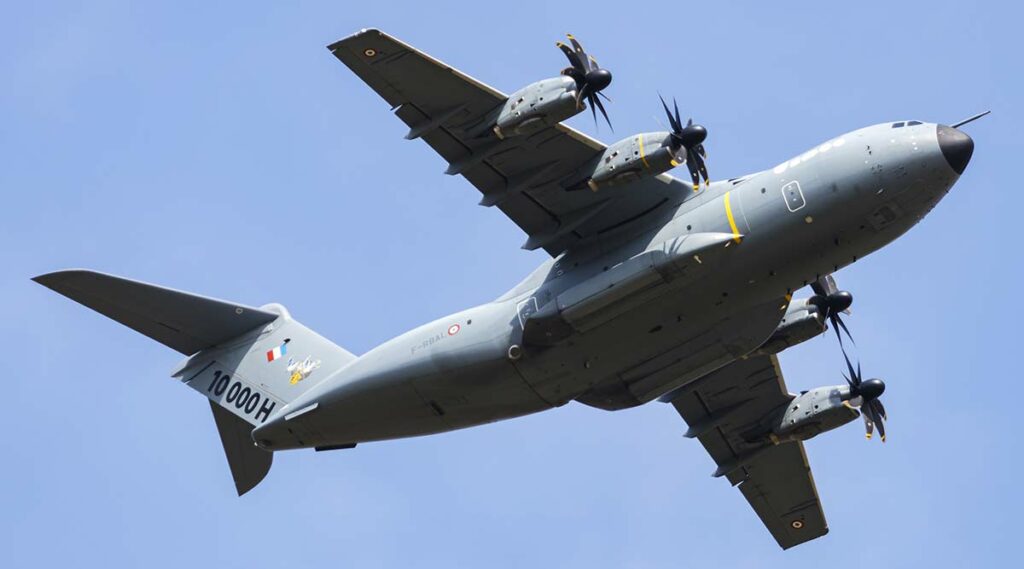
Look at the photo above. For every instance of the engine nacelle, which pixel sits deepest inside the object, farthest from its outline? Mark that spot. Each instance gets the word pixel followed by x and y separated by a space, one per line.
pixel 639 156
pixel 537 106
pixel 814 412
pixel 803 321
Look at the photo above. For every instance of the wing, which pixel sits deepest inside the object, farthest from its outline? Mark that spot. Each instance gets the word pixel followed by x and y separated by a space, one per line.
pixel 523 175
pixel 728 411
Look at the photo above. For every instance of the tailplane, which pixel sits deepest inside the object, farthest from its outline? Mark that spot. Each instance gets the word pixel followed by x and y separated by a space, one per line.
pixel 249 362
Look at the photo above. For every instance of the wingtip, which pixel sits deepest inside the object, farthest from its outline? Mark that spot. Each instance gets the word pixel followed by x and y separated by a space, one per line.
pixel 50 279
pixel 335 45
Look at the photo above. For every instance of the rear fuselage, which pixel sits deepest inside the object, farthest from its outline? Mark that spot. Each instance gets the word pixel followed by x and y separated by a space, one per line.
pixel 635 315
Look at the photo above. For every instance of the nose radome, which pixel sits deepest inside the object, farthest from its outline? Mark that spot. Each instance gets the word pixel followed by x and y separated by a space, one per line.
pixel 956 147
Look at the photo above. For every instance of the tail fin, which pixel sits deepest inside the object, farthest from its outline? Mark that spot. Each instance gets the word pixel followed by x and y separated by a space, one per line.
pixel 249 362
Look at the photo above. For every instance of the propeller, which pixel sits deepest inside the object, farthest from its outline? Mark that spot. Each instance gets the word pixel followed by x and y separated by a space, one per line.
pixel 865 394
pixel 832 301
pixel 691 138
pixel 590 78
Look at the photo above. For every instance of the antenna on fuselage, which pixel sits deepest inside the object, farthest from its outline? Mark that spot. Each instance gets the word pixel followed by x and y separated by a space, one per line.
pixel 972 119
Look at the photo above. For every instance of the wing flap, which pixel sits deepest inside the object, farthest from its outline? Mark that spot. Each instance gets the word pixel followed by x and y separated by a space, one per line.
pixel 183 321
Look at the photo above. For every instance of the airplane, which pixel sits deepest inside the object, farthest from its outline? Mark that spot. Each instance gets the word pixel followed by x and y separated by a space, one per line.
pixel 655 289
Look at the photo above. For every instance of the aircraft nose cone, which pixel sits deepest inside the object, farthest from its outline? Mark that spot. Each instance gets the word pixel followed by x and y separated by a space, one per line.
pixel 956 147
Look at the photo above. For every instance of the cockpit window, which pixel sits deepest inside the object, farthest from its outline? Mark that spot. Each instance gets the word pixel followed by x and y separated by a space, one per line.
pixel 913 123
pixel 897 125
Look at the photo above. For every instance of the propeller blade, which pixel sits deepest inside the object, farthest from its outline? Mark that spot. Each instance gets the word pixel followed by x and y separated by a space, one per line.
pixel 692 167
pixel 671 120
pixel 595 102
pixel 824 286
pixel 854 380
pixel 678 120
pixel 572 57
pixel 830 284
pixel 583 92
pixel 606 97
pixel 580 54
pixel 879 419
pixel 869 425
pixel 700 150
pixel 880 409
pixel 702 168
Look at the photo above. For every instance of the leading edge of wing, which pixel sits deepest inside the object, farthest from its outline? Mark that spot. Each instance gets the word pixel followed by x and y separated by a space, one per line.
pixel 345 42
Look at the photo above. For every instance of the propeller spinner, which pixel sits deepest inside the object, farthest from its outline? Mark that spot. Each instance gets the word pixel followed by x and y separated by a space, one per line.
pixel 590 78
pixel 691 139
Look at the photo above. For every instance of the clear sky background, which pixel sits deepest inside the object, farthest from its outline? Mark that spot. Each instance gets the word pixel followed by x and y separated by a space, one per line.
pixel 219 148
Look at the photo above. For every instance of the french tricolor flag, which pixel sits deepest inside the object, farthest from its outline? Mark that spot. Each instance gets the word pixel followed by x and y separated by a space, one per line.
pixel 278 352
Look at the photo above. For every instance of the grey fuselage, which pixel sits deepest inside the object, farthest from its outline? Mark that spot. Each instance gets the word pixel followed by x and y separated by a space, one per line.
pixel 633 316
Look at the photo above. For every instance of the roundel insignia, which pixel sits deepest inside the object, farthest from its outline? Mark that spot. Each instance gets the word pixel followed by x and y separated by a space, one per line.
pixel 369 52
pixel 797 524
pixel 454 329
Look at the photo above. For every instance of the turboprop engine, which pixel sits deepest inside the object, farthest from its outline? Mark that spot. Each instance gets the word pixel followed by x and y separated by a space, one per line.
pixel 804 320
pixel 825 408
pixel 814 412
pixel 639 156
pixel 537 106
pixel 652 153
pixel 548 102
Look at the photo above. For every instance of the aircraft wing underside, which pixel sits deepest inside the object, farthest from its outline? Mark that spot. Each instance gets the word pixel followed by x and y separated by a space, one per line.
pixel 525 176
pixel 726 411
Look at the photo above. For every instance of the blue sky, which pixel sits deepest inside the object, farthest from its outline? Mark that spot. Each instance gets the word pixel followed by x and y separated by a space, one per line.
pixel 219 148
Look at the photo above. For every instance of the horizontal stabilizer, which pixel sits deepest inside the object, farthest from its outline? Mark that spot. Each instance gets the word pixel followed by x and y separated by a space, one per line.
pixel 183 321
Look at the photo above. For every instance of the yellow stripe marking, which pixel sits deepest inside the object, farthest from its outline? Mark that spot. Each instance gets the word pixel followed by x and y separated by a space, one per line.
pixel 642 156
pixel 732 220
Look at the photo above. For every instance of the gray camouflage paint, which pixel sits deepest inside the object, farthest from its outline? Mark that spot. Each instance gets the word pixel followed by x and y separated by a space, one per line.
pixel 550 340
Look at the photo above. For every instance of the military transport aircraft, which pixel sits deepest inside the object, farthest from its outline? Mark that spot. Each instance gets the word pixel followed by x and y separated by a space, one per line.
pixel 656 289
